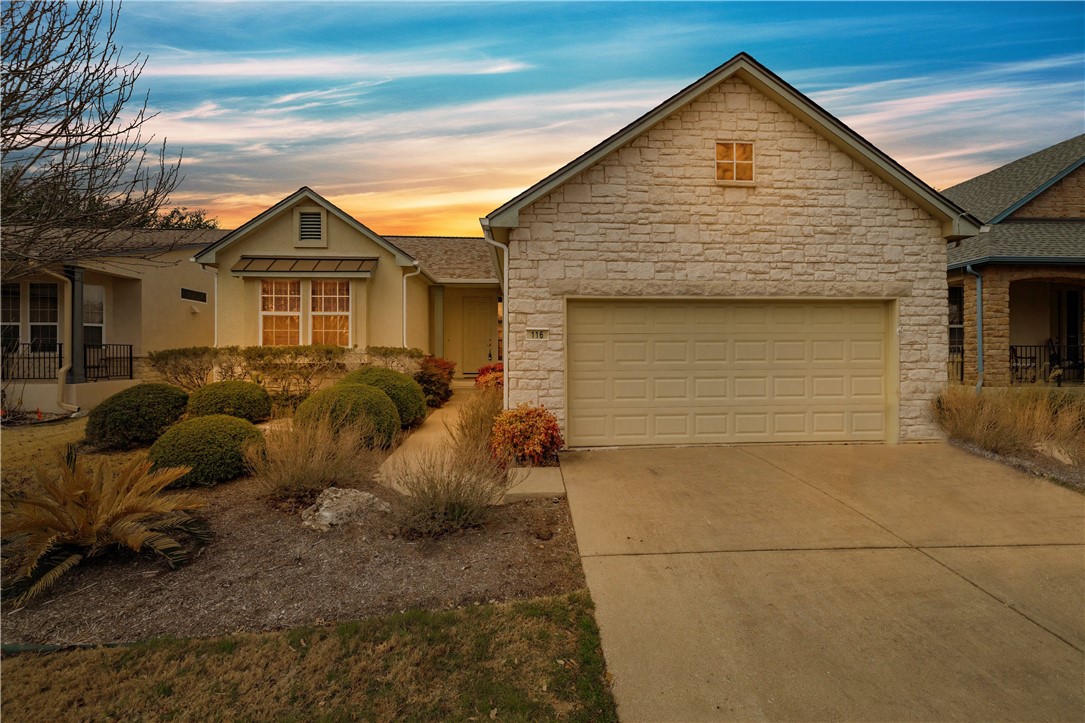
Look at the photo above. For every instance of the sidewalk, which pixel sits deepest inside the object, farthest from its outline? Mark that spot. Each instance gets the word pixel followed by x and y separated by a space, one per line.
pixel 536 482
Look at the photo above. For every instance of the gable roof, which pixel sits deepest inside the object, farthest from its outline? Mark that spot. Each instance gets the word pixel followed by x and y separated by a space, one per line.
pixel 207 256
pixel 451 259
pixel 1022 242
pixel 956 223
pixel 996 194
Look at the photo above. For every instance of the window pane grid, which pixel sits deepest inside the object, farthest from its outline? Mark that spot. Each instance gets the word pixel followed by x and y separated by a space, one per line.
pixel 44 304
pixel 734 161
pixel 331 312
pixel 280 307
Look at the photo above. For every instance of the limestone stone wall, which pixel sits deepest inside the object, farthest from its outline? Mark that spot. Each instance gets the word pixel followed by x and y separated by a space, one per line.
pixel 651 220
pixel 1065 199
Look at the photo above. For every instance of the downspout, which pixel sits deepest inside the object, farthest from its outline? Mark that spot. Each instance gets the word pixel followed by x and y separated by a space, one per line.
pixel 488 237
pixel 62 375
pixel 979 325
pixel 416 272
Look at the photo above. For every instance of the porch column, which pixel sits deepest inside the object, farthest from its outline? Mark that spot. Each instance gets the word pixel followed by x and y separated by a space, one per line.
pixel 996 327
pixel 969 322
pixel 74 346
pixel 439 321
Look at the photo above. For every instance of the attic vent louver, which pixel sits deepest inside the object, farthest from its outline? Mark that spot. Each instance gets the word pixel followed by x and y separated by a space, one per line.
pixel 309 226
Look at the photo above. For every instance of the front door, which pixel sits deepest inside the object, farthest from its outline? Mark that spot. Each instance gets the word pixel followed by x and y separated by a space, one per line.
pixel 479 325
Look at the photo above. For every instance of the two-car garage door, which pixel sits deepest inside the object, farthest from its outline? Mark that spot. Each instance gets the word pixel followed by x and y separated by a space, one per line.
pixel 703 372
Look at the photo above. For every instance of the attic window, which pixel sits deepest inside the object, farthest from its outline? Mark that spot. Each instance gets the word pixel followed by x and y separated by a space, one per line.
pixel 309 225
pixel 734 162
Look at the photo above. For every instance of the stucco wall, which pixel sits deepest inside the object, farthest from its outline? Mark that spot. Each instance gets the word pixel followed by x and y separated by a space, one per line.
pixel 650 220
pixel 1065 199
pixel 376 302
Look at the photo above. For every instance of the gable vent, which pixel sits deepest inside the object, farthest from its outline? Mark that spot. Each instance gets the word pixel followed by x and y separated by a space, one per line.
pixel 309 226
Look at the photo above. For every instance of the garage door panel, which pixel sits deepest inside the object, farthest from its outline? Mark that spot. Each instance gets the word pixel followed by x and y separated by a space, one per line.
pixel 726 371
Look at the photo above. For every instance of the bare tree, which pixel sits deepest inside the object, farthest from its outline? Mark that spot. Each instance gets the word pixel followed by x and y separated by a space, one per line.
pixel 78 178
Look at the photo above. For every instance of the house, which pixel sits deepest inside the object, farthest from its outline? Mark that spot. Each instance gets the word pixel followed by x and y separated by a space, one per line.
pixel 1025 271
pixel 736 265
pixel 75 335
pixel 305 272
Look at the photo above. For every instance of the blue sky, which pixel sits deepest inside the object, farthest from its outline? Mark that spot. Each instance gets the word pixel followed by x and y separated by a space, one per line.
pixel 421 117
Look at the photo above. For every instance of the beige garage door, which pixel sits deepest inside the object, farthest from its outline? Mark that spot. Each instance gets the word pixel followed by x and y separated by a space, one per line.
pixel 704 372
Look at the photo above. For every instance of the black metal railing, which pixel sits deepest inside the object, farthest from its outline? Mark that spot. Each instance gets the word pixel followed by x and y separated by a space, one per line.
pixel 107 361
pixel 1047 363
pixel 31 360
pixel 955 365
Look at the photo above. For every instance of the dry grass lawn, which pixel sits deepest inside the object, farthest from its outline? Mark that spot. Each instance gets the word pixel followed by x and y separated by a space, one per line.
pixel 532 660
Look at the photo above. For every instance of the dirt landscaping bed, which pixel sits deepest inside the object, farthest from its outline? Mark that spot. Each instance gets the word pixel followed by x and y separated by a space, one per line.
pixel 265 571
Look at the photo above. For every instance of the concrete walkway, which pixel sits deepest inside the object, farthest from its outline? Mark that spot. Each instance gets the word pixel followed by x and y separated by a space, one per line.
pixel 832 583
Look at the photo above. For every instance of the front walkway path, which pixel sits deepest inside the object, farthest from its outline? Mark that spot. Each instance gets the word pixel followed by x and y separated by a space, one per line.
pixel 832 583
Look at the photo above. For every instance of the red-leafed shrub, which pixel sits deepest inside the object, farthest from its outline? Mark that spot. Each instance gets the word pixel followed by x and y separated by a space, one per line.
pixel 530 434
pixel 491 376
pixel 435 376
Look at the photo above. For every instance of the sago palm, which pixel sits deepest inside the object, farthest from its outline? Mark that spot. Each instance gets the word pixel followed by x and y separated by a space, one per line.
pixel 84 512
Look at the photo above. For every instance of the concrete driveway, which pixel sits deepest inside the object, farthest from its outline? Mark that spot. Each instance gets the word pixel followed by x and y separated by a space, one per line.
pixel 832 582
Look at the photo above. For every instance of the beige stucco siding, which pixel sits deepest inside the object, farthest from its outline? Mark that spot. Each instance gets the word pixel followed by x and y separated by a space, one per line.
pixel 376 314
pixel 650 220
pixel 1065 199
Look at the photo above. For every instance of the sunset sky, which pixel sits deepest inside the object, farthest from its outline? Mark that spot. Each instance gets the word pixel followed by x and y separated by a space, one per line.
pixel 419 118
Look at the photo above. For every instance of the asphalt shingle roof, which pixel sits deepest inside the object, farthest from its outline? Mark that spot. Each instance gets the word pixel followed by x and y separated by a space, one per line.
pixel 451 258
pixel 1061 242
pixel 987 196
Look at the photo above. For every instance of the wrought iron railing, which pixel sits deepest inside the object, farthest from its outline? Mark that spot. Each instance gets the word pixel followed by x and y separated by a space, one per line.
pixel 955 365
pixel 107 361
pixel 31 360
pixel 1047 363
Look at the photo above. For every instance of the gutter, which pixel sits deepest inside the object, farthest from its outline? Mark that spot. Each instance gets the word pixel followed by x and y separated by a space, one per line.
pixel 416 272
pixel 488 237
pixel 1051 260
pixel 979 325
pixel 62 374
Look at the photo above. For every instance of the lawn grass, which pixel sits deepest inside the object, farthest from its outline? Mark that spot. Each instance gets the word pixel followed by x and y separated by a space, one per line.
pixel 534 660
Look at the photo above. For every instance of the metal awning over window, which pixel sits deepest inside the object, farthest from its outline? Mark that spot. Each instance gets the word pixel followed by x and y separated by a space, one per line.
pixel 293 266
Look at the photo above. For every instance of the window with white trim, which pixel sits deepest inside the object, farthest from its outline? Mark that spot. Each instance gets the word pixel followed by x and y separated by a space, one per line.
pixel 734 162
pixel 330 309
pixel 44 316
pixel 280 312
pixel 93 315
pixel 10 315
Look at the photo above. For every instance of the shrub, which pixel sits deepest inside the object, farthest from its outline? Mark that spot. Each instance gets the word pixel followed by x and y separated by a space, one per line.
pixel 135 416
pixel 350 403
pixel 435 377
pixel 491 376
pixel 312 457
pixel 187 367
pixel 404 392
pixel 213 446
pixel 1014 421
pixel 292 370
pixel 237 399
pixel 475 422
pixel 529 434
pixel 401 359
pixel 87 512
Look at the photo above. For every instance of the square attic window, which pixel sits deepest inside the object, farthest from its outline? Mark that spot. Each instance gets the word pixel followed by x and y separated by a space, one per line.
pixel 734 162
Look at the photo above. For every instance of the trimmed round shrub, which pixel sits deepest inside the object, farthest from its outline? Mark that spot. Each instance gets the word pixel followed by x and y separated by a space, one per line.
pixel 135 416
pixel 213 446
pixel 353 403
pixel 530 435
pixel 238 399
pixel 404 392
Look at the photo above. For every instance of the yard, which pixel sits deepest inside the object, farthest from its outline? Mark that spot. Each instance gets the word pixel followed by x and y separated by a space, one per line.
pixel 357 603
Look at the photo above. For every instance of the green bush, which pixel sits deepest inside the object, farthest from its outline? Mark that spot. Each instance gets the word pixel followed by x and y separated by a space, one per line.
pixel 213 446
pixel 350 403
pixel 238 399
pixel 404 392
pixel 135 416
pixel 186 367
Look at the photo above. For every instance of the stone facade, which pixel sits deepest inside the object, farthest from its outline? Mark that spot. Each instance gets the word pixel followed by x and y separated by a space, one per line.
pixel 651 220
pixel 1065 199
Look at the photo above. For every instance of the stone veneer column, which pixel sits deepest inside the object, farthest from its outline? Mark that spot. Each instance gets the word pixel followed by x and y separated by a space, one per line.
pixel 969 320
pixel 996 327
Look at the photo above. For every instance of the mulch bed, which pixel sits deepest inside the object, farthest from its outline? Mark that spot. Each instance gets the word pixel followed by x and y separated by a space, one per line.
pixel 265 571
pixel 1071 477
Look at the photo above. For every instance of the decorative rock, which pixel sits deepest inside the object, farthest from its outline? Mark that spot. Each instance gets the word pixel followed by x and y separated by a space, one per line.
pixel 336 506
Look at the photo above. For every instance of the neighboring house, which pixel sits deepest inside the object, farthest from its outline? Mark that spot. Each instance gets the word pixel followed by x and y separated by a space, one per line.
pixel 306 272
pixel 737 265
pixel 75 335
pixel 1030 256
